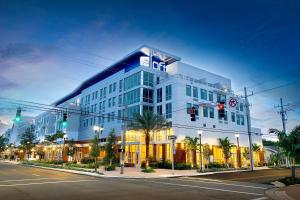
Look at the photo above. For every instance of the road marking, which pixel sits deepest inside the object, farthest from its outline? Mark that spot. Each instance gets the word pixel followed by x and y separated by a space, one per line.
pixel 42 183
pixel 261 198
pixel 205 179
pixel 28 179
pixel 222 183
pixel 202 187
pixel 36 175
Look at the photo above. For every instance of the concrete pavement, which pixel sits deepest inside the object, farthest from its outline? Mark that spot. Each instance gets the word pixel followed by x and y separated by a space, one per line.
pixel 21 182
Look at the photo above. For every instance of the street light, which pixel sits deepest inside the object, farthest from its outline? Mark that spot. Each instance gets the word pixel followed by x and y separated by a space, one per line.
pixel 200 132
pixel 238 150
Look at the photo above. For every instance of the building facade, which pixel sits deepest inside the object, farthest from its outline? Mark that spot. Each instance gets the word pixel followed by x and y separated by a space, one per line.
pixel 150 79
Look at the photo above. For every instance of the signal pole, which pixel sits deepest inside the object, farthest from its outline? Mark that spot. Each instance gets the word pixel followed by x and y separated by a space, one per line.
pixel 249 128
pixel 123 137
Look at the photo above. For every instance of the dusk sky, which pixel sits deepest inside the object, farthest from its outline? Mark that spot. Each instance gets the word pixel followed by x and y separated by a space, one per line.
pixel 47 48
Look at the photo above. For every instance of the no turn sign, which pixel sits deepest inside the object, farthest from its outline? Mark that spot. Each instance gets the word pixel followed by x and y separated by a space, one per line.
pixel 233 102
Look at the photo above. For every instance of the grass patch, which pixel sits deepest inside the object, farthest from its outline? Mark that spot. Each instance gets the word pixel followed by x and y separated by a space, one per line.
pixel 148 170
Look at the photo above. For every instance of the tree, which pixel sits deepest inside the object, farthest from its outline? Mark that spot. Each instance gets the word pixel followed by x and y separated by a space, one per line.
pixel 255 147
pixel 27 139
pixel 53 138
pixel 109 147
pixel 226 147
pixel 94 153
pixel 3 143
pixel 269 143
pixel 206 152
pixel 246 153
pixel 290 143
pixel 147 123
pixel 191 146
pixel 71 148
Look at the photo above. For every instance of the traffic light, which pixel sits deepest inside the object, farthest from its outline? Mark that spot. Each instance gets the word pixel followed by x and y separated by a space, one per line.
pixel 221 107
pixel 18 115
pixel 193 114
pixel 65 119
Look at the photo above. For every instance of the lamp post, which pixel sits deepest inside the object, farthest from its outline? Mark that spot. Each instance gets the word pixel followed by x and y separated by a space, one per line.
pixel 200 132
pixel 238 159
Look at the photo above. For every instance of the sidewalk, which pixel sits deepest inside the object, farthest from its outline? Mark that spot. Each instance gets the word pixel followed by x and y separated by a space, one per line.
pixel 285 193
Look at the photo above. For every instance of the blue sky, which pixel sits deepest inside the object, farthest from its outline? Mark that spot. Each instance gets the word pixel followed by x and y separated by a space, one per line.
pixel 47 48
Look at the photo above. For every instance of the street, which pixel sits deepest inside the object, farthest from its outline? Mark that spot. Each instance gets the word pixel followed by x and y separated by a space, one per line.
pixel 21 182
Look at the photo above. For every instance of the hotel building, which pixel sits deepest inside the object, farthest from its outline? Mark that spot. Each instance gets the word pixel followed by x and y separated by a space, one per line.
pixel 150 79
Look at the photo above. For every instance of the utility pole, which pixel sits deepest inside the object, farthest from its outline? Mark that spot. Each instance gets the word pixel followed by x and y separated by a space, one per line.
pixel 249 128
pixel 123 137
pixel 282 112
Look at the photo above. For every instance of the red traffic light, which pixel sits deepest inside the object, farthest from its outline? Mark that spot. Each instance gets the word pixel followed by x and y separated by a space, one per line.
pixel 221 106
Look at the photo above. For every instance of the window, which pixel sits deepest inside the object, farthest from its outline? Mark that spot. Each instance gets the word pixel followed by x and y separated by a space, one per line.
pixel 131 111
pixel 218 98
pixel 159 110
pixel 93 96
pixel 120 85
pixel 132 81
pixel 104 92
pixel 101 93
pixel 196 109
pixel 188 108
pixel 225 116
pixel 205 111
pixel 159 95
pixel 211 113
pixel 147 95
pixel 242 120
pixel 169 110
pixel 148 78
pixel 100 107
pixel 203 94
pixel 238 120
pixel 168 92
pixel 114 86
pixel 210 96
pixel 109 102
pixel 96 94
pixel 232 116
pixel 103 106
pixel 157 80
pixel 120 100
pixel 112 116
pixel 188 90
pixel 108 117
pixel 110 88
pixel 195 92
pixel 241 107
pixel 132 97
pixel 113 101
pixel 119 115
pixel 147 108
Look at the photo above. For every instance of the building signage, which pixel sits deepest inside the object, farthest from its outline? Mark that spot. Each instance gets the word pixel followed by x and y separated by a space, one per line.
pixel 172 137
pixel 156 63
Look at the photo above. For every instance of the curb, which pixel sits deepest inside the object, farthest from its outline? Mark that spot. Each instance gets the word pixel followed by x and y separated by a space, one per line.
pixel 274 194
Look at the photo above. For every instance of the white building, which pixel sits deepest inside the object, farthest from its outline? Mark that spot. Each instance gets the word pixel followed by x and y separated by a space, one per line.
pixel 150 79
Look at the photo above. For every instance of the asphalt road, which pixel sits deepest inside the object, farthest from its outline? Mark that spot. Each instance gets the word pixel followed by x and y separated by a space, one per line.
pixel 258 176
pixel 24 183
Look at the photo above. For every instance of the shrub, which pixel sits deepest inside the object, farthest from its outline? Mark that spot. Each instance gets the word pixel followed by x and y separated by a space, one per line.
pixel 87 160
pixel 182 166
pixel 110 168
pixel 216 165
pixel 289 181
pixel 148 170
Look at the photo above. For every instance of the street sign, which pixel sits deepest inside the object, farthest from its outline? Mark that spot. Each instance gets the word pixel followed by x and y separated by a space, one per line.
pixel 172 137
pixel 233 102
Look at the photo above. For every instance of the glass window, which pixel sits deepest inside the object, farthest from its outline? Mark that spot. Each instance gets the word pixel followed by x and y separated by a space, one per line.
pixel 148 78
pixel 188 90
pixel 169 110
pixel 96 94
pixel 210 96
pixel 211 113
pixel 242 120
pixel 168 92
pixel 238 120
pixel 101 93
pixel 203 94
pixel 132 97
pixel 188 108
pixel 114 86
pixel 241 107
pixel 232 116
pixel 109 102
pixel 225 116
pixel 132 81
pixel 205 111
pixel 159 110
pixel 159 95
pixel 195 92
pixel 218 98
pixel 104 92
pixel 119 115
pixel 120 85
pixel 157 80
pixel 131 111
pixel 103 106
pixel 120 100
pixel 112 116
pixel 110 88
pixel 147 95
pixel 113 101
pixel 196 109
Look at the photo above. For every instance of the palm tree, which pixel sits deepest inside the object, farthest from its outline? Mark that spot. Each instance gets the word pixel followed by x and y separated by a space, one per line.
pixel 289 143
pixel 226 147
pixel 146 123
pixel 109 147
pixel 191 146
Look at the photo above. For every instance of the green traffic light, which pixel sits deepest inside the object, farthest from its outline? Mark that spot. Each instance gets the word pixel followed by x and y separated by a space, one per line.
pixel 64 124
pixel 17 119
